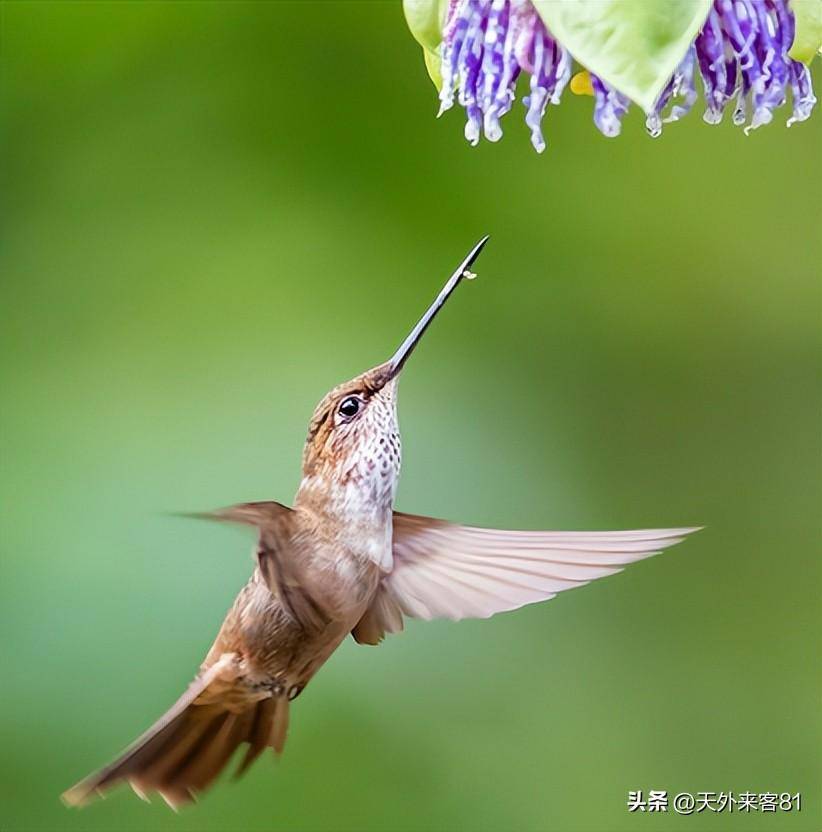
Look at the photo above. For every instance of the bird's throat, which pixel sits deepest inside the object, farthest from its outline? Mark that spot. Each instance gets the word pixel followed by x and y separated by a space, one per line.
pixel 353 513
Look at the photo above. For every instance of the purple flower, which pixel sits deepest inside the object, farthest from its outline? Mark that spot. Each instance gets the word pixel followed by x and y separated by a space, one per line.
pixel 486 44
pixel 741 54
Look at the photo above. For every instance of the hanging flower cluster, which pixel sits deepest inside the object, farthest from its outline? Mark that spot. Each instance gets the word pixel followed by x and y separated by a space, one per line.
pixel 741 52
pixel 485 46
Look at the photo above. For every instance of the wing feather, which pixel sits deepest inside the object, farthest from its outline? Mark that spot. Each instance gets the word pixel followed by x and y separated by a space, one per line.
pixel 442 570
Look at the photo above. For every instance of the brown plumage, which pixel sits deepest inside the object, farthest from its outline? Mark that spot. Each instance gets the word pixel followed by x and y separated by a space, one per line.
pixel 342 561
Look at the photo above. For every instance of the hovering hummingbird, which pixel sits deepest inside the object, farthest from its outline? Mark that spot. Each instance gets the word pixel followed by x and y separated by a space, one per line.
pixel 343 561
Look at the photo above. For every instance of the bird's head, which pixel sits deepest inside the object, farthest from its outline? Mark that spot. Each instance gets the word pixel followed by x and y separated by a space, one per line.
pixel 353 443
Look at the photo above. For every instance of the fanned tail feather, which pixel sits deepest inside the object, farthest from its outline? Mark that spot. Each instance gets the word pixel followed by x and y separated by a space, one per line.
pixel 188 747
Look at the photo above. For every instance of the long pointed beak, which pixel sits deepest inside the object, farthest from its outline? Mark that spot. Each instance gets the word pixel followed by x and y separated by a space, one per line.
pixel 397 361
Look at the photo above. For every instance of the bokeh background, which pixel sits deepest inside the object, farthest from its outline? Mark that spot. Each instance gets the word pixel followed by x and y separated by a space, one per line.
pixel 213 213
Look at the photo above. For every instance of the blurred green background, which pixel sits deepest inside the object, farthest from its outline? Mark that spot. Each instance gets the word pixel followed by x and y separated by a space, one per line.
pixel 212 214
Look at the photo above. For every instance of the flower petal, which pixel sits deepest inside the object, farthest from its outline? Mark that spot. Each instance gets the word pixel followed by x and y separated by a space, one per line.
pixel 632 45
pixel 808 40
pixel 425 19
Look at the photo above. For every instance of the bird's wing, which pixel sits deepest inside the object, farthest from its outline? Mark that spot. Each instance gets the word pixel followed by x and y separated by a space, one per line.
pixel 272 521
pixel 442 570
pixel 260 515
pixel 280 569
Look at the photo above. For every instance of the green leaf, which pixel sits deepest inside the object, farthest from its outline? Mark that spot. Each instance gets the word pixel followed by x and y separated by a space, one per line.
pixel 808 39
pixel 634 45
pixel 425 19
pixel 432 64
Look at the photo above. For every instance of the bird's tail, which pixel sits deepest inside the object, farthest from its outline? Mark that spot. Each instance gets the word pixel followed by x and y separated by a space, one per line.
pixel 185 750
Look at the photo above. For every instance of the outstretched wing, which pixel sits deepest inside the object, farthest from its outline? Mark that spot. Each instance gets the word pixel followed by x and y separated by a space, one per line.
pixel 442 570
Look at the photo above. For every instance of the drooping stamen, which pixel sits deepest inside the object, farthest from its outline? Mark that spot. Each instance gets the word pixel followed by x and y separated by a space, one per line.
pixel 609 107
pixel 710 50
pixel 470 63
pixel 456 26
pixel 740 115
pixel 551 70
pixel 679 92
pixel 802 92
pixel 493 68
pixel 684 87
pixel 486 44
pixel 537 101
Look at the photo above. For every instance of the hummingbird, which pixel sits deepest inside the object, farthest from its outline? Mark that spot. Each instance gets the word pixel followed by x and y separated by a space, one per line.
pixel 342 561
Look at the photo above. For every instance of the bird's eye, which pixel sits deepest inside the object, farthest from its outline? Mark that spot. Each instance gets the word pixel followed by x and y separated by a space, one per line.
pixel 349 407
